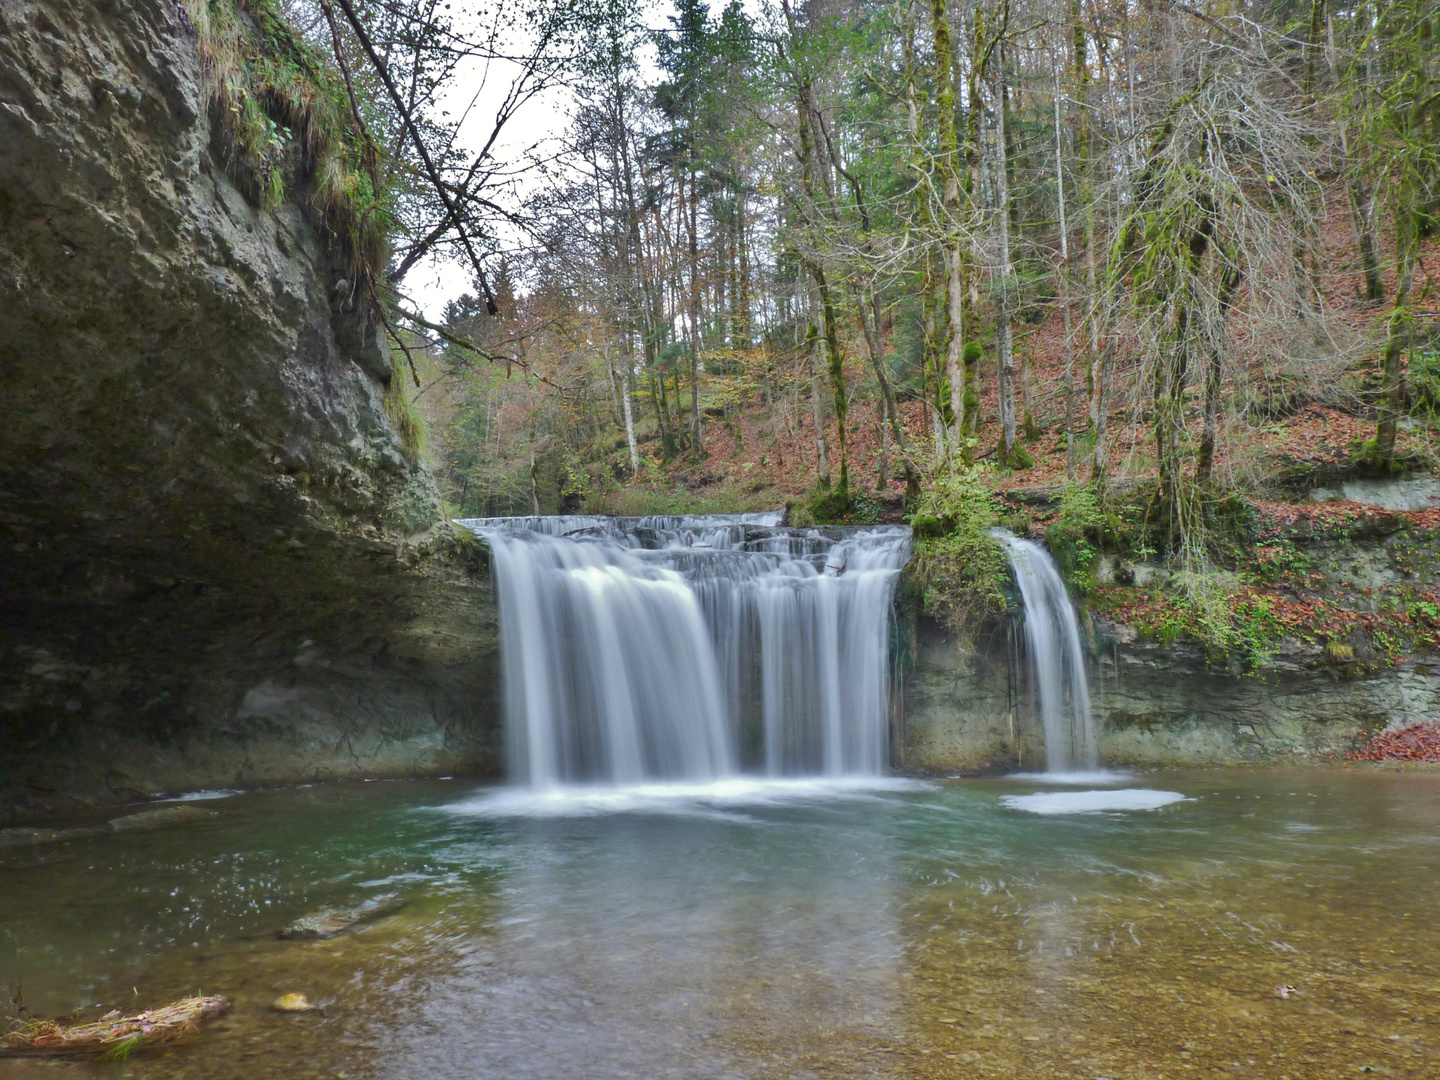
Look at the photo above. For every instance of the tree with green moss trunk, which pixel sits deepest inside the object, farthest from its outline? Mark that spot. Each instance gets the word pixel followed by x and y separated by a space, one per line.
pixel 1402 126
pixel 1225 196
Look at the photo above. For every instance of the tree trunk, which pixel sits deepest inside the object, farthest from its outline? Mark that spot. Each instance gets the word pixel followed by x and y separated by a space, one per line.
pixel 882 478
pixel 697 449
pixel 1317 20
pixel 1085 199
pixel 1171 376
pixel 1359 191
pixel 1214 377
pixel 627 363
pixel 634 278
pixel 889 410
pixel 815 344
pixel 835 365
pixel 1399 328
pixel 932 297
pixel 1005 359
pixel 948 167
pixel 981 47
pixel 1063 272
pixel 930 357
pixel 1367 243
pixel 662 416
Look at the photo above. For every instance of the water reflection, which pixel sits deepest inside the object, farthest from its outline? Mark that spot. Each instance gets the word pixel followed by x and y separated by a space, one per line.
pixel 660 946
pixel 924 930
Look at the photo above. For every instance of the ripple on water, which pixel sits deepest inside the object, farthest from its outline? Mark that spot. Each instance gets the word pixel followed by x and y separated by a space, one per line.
pixel 1092 778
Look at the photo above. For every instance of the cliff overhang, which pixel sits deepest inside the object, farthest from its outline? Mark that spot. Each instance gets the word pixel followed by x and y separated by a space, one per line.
pixel 220 563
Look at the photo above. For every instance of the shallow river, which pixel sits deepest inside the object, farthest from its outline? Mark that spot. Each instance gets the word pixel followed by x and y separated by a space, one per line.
pixel 910 930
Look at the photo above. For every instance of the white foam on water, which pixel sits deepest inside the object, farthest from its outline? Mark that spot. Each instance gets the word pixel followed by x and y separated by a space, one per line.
pixel 738 792
pixel 201 796
pixel 1092 802
pixel 1098 776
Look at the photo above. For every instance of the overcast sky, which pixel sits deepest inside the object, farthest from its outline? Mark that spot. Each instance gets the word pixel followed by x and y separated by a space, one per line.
pixel 539 124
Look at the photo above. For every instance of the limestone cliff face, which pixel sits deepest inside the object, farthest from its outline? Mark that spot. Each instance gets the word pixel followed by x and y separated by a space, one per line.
pixel 967 707
pixel 1152 705
pixel 218 562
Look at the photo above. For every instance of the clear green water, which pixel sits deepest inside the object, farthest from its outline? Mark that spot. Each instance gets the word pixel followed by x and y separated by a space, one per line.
pixel 908 933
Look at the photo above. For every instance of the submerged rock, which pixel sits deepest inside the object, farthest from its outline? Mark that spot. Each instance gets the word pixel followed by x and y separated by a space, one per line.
pixel 159 819
pixel 25 836
pixel 335 921
pixel 294 1003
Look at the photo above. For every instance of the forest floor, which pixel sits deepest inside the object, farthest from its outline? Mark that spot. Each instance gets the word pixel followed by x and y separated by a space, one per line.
pixel 1300 426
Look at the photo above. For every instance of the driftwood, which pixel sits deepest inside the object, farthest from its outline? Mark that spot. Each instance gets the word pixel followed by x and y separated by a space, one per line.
pixel 334 921
pixel 113 1034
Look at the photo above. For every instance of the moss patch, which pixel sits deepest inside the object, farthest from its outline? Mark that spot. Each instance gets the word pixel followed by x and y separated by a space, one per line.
pixel 959 573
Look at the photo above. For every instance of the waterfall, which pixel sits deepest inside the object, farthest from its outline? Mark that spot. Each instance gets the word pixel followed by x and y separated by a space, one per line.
pixel 1057 658
pixel 692 648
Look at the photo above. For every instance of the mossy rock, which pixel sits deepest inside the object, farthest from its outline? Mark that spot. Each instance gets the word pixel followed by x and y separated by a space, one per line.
pixel 1017 458
pixel 830 507
pixel 927 526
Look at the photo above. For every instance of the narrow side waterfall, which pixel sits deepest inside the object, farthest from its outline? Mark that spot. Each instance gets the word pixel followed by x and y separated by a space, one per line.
pixel 693 648
pixel 1057 657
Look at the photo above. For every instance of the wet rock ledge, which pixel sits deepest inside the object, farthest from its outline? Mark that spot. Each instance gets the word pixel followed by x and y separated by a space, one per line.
pixel 218 564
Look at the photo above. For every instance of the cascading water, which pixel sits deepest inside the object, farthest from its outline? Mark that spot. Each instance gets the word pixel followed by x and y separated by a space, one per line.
pixel 1057 658
pixel 692 648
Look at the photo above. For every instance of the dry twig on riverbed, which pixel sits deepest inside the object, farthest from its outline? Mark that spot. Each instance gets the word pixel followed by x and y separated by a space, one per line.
pixel 113 1035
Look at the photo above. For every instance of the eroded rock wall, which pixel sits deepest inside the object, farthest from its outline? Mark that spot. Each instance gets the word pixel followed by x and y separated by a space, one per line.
pixel 968 705
pixel 970 710
pixel 217 562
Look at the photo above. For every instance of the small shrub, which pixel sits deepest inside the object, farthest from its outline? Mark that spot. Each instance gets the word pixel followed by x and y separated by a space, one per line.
pixel 1337 652
pixel 1078 534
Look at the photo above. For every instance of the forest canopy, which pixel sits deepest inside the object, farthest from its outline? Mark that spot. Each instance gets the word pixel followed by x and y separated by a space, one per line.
pixel 848 255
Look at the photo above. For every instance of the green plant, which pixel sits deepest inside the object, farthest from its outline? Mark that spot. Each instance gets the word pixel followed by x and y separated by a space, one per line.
pixel 574 480
pixel 1424 609
pixel 862 510
pixel 1079 532
pixel 1228 624
pixel 121 1050
pixel 408 423
pixel 829 506
pixel 1277 561
pixel 1425 380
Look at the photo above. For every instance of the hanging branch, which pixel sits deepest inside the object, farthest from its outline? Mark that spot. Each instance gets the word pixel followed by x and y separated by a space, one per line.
pixel 441 188
pixel 469 343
